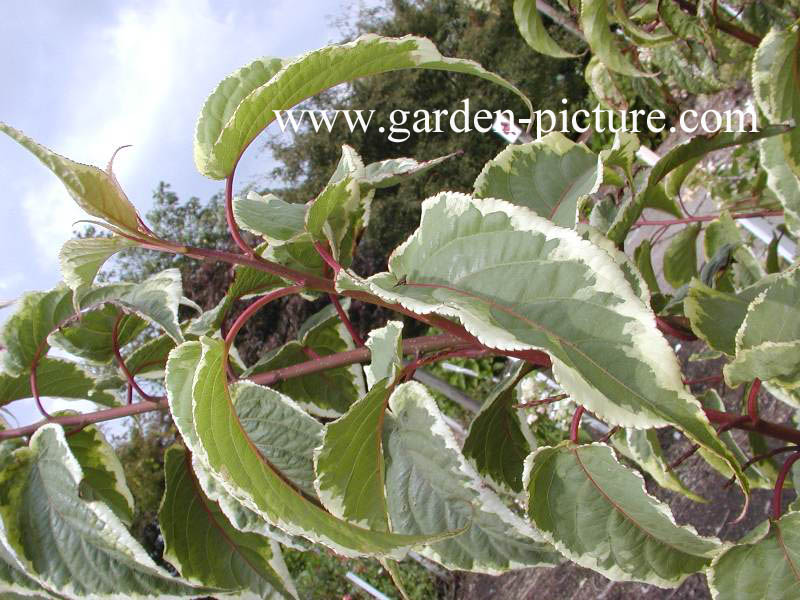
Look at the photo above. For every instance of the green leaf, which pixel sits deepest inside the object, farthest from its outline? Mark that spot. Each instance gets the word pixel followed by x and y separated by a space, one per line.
pixel 776 86
pixel 327 393
pixel 349 463
pixel 385 352
pixel 623 261
pixel 393 171
pixel 499 438
pixel 765 567
pixel 26 331
pixel 55 378
pixel 280 430
pixel 722 231
pixel 768 341
pixel 622 153
pixel 201 543
pixel 226 98
pixel 156 299
pixel 642 447
pixel 716 316
pixel 246 474
pixel 81 259
pixel 103 477
pixel 604 85
pixel 595 26
pixel 91 337
pixel 149 359
pixel 645 265
pixel 688 151
pixel 270 217
pixel 334 216
pixel 217 149
pixel 637 34
pixel 76 547
pixel 517 282
pixel 95 191
pixel 430 486
pixel 680 258
pixel 534 32
pixel 781 179
pixel 598 514
pixel 548 176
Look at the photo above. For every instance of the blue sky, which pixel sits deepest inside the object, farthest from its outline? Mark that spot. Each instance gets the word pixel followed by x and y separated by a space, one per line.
pixel 86 77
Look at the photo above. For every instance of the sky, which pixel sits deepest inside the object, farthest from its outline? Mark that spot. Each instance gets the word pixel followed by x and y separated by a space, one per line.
pixel 84 78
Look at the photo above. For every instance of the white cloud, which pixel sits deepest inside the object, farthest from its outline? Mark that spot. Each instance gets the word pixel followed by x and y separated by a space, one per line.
pixel 141 80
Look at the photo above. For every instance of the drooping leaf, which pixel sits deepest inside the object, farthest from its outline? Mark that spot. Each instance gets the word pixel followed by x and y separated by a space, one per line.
pixel 680 258
pixel 247 475
pixel 517 282
pixel 595 26
pixel 103 477
pixel 385 352
pixel 642 447
pixel 350 465
pixel 430 487
pixel 766 566
pixel 280 430
pixel 532 29
pixel 776 86
pixel 548 176
pixel 94 190
pixel 598 514
pixel 218 148
pixel 77 547
pixel 499 439
pixel 180 370
pixel 768 341
pixel 81 259
pixel 55 378
pixel 201 543
pixel 784 182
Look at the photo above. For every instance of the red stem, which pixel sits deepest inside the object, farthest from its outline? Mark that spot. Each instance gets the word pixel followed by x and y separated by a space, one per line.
pixel 232 226
pixel 346 320
pixel 254 307
pixel 418 363
pixel 752 400
pixel 575 425
pixel 760 457
pixel 121 361
pixel 699 218
pixel 666 327
pixel 543 401
pixel 778 491
pixel 774 430
pixel 328 258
